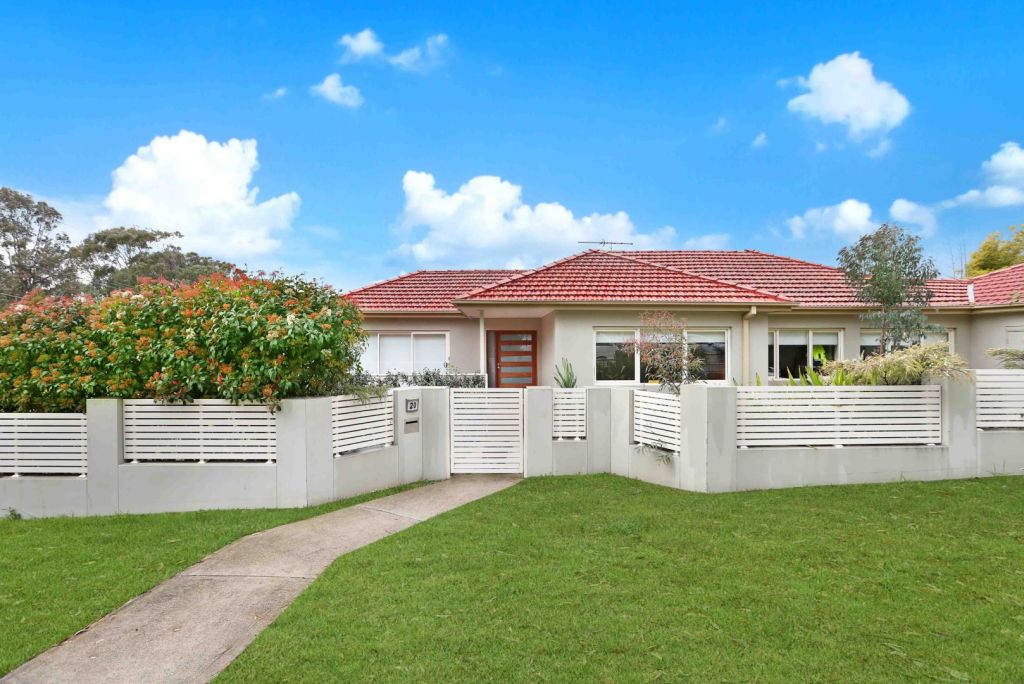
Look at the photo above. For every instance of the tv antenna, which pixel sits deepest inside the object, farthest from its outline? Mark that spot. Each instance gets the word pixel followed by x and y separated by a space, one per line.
pixel 603 243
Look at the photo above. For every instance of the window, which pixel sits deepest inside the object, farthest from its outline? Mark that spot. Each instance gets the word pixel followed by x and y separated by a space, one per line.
pixel 871 344
pixel 405 352
pixel 614 363
pixel 790 352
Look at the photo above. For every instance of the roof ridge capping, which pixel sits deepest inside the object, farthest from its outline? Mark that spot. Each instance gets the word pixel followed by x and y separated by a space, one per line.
pixel 522 274
pixel 723 281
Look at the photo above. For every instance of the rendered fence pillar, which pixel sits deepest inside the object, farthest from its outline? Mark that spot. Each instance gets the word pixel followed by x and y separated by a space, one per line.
pixel 599 453
pixel 305 473
pixel 959 425
pixel 539 456
pixel 707 462
pixel 409 433
pixel 105 452
pixel 721 439
pixel 620 430
pixel 435 426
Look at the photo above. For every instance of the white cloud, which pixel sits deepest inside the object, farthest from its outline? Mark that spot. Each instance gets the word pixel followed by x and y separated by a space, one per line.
pixel 202 189
pixel 1006 166
pixel 760 140
pixel 720 124
pixel 849 220
pixel 360 45
pixel 424 58
pixel 845 91
pixel 486 222
pixel 276 94
pixel 905 211
pixel 333 90
pixel 709 241
pixel 1004 176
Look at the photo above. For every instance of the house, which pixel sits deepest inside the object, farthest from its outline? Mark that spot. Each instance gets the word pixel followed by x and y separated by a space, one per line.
pixel 749 314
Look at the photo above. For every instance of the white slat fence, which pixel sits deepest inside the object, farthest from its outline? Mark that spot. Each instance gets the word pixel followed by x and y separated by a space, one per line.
pixel 656 420
pixel 43 444
pixel 1000 399
pixel 486 430
pixel 359 424
pixel 569 413
pixel 205 430
pixel 838 416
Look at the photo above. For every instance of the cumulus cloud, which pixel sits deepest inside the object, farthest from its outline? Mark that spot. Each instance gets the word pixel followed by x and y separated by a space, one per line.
pixel 760 140
pixel 276 94
pixel 1004 187
pixel 845 91
pixel 486 222
pixel 709 241
pixel 359 46
pixel 201 188
pixel 334 91
pixel 849 220
pixel 422 58
pixel 907 212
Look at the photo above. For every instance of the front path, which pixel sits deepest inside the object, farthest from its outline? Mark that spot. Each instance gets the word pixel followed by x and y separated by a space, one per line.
pixel 190 627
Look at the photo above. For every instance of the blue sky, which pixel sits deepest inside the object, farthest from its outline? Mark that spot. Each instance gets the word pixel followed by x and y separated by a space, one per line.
pixel 488 134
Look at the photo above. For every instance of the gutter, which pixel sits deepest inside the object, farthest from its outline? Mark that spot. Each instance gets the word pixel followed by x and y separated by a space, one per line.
pixel 746 343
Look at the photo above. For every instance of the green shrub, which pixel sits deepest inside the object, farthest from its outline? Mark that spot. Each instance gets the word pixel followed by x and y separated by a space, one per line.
pixel 911 366
pixel 232 337
pixel 1011 359
pixel 565 376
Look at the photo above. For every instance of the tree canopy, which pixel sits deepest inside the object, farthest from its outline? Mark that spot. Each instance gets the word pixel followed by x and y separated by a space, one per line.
pixel 888 271
pixel 36 256
pixel 995 253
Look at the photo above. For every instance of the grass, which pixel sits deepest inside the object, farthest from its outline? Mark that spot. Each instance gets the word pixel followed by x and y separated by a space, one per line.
pixel 600 578
pixel 59 575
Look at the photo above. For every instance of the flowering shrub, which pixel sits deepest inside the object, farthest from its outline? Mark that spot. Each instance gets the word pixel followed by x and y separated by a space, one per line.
pixel 232 337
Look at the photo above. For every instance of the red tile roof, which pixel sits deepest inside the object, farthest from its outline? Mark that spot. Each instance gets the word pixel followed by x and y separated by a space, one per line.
pixel 426 291
pixel 1005 286
pixel 810 284
pixel 601 276
pixel 746 276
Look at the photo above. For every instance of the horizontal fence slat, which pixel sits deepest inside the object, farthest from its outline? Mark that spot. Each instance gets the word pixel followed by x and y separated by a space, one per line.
pixel 838 415
pixel 999 399
pixel 43 444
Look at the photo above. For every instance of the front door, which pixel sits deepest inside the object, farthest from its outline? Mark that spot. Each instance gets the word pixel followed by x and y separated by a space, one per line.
pixel 515 357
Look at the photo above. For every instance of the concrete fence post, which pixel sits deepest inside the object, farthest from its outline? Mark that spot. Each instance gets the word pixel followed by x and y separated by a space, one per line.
pixel 435 426
pixel 620 430
pixel 305 470
pixel 105 453
pixel 599 426
pixel 708 438
pixel 538 459
pixel 409 433
pixel 959 425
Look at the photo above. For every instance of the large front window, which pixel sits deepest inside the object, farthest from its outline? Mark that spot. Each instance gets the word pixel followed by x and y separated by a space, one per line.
pixel 790 352
pixel 405 352
pixel 615 361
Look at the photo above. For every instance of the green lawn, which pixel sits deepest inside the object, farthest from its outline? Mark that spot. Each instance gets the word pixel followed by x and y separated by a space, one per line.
pixel 604 579
pixel 60 574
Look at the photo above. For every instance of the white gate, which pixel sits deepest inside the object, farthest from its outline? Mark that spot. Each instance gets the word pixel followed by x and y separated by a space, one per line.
pixel 487 430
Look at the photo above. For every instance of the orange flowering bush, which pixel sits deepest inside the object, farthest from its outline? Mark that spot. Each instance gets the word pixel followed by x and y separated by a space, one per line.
pixel 232 337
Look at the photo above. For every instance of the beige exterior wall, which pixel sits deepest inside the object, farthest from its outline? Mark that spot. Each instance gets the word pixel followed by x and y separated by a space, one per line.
pixel 570 334
pixel 994 330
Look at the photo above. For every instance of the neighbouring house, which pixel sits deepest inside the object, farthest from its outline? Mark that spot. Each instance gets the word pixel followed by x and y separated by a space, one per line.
pixel 749 314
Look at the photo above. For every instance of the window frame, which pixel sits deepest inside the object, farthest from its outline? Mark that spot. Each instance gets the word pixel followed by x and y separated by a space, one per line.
pixel 411 334
pixel 773 334
pixel 726 332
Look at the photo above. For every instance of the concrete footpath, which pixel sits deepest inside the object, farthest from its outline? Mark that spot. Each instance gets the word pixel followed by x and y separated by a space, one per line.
pixel 193 625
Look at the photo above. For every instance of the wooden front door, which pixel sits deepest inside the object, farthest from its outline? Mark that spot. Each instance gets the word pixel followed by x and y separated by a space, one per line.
pixel 515 358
